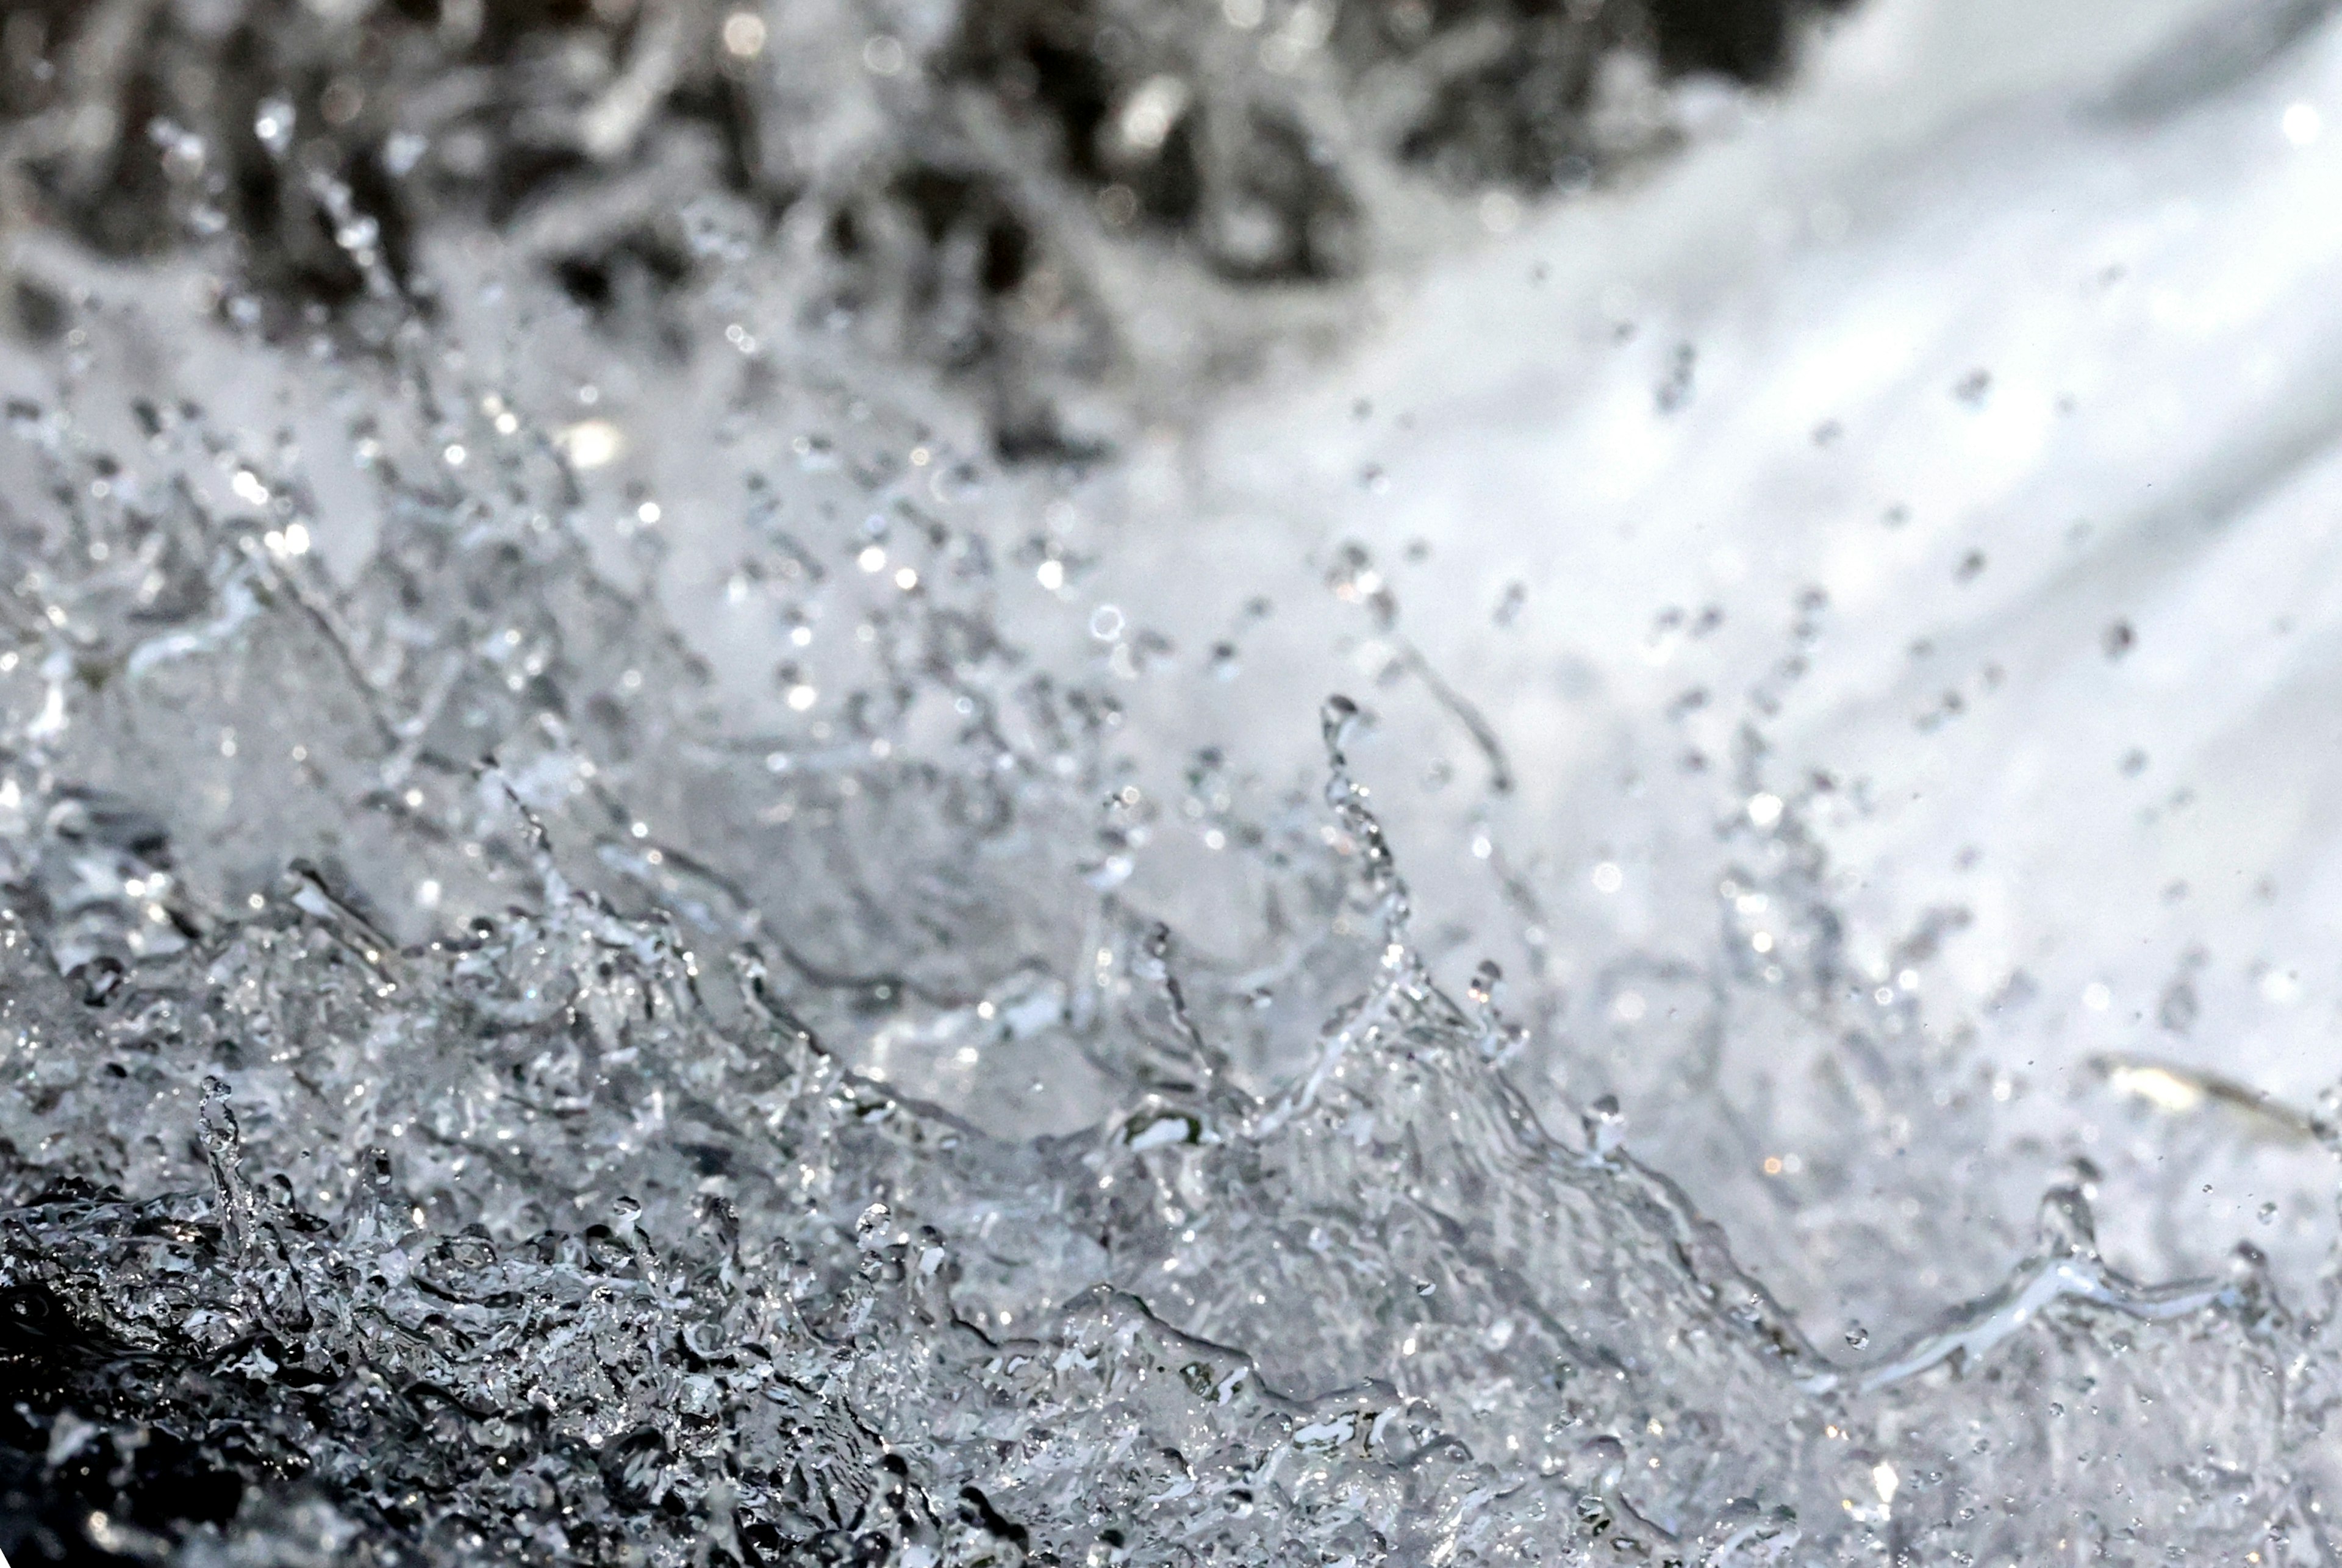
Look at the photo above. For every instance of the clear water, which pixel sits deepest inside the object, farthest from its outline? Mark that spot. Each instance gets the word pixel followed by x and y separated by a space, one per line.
pixel 616 956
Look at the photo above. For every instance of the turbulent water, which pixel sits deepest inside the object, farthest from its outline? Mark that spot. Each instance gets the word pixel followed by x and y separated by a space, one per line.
pixel 642 921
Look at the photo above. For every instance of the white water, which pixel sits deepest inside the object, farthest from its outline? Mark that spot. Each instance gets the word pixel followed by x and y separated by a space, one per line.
pixel 1323 1178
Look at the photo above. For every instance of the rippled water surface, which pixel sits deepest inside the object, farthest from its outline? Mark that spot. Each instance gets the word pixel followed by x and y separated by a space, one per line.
pixel 1453 786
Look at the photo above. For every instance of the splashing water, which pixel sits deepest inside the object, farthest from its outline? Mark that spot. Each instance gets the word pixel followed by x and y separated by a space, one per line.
pixel 650 977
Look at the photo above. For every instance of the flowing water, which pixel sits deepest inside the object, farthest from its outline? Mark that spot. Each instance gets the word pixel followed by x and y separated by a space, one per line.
pixel 644 922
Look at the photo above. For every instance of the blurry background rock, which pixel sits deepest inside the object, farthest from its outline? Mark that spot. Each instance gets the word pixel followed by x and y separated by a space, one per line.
pixel 1048 198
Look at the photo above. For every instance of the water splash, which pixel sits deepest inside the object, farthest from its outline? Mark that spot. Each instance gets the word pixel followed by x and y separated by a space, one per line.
pixel 712 1078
